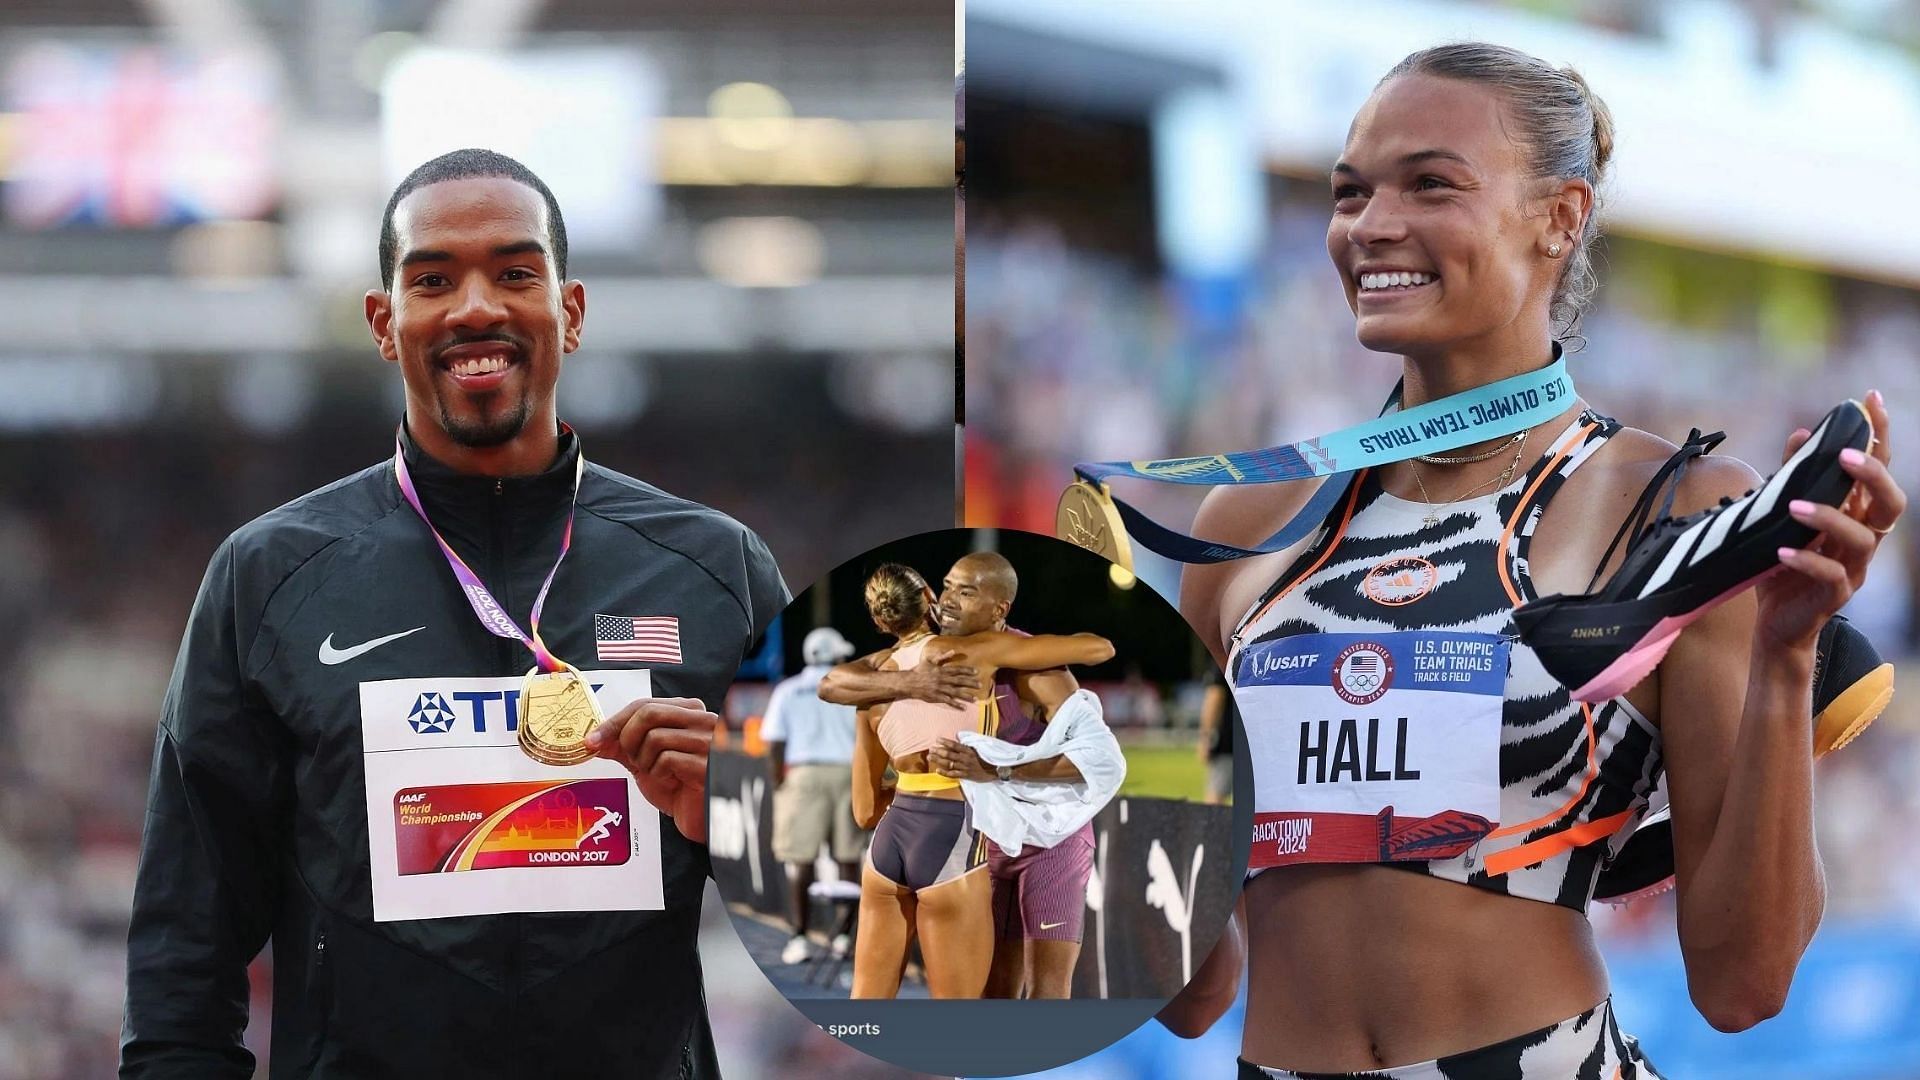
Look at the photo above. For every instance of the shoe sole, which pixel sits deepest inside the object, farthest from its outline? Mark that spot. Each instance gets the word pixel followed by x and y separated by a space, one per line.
pixel 1849 714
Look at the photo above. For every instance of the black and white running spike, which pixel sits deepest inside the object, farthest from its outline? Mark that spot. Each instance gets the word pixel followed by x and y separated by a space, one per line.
pixel 1601 644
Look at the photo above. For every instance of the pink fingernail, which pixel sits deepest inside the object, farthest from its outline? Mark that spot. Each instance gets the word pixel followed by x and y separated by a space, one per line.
pixel 1876 397
pixel 594 738
pixel 1851 456
pixel 1787 554
pixel 1800 508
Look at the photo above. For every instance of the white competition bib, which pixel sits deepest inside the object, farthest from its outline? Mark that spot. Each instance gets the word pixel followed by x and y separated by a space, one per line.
pixel 461 822
pixel 1372 748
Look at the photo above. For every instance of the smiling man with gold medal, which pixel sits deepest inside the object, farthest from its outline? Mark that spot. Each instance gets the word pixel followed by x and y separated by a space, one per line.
pixel 466 867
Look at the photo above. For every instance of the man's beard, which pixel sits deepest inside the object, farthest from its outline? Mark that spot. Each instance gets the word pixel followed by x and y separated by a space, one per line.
pixel 489 429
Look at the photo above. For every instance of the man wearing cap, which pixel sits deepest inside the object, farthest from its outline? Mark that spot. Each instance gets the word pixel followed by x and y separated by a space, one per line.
pixel 811 744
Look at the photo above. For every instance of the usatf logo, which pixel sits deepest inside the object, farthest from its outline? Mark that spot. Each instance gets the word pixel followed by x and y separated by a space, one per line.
pixel 434 712
pixel 430 713
pixel 1362 673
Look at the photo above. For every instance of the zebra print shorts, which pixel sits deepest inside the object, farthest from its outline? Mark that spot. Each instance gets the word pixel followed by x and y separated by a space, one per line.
pixel 1585 1047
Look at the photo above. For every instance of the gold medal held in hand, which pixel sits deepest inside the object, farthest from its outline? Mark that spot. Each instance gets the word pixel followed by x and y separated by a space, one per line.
pixel 557 709
pixel 1087 517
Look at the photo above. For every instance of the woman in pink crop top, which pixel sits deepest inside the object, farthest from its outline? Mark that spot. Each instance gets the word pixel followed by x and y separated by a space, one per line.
pixel 920 878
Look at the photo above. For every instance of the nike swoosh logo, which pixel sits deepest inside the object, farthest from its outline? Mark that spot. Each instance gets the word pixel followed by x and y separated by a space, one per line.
pixel 1051 925
pixel 330 655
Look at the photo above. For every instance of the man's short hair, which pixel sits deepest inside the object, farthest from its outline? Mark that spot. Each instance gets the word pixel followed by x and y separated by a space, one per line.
pixel 470 164
pixel 995 572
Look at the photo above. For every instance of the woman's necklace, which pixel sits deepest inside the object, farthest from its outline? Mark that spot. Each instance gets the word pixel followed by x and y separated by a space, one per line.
pixel 1436 459
pixel 1433 511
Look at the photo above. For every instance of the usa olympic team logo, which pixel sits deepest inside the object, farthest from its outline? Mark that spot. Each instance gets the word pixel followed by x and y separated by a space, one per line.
pixel 1362 673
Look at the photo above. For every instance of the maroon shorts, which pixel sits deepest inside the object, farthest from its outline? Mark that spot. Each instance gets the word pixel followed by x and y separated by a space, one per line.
pixel 1041 893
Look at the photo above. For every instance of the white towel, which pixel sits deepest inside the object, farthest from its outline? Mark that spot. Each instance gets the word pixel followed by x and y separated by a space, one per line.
pixel 1043 813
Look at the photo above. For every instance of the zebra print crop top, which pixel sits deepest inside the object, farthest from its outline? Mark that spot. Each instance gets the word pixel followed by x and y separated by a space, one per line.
pixel 1574 780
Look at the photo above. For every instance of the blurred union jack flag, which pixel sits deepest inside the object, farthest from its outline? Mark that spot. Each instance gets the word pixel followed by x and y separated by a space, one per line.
pixel 625 637
pixel 138 136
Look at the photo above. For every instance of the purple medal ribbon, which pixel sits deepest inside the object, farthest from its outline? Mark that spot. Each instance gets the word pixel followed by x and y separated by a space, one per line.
pixel 491 614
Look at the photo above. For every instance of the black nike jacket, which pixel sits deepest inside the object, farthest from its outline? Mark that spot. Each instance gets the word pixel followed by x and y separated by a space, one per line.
pixel 257 824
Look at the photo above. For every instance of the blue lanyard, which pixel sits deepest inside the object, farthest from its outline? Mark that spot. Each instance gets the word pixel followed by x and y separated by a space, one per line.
pixel 1485 412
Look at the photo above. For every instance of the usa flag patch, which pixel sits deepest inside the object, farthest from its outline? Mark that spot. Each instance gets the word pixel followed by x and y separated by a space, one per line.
pixel 651 638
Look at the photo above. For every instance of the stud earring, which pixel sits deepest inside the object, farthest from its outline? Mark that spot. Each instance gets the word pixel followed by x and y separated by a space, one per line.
pixel 1553 250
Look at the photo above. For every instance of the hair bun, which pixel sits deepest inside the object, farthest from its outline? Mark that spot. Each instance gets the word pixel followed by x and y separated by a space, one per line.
pixel 897 597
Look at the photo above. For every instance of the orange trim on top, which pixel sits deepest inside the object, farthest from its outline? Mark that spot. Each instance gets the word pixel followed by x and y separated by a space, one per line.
pixel 1548 846
pixel 1506 536
pixel 1346 517
pixel 1593 770
pixel 1500 564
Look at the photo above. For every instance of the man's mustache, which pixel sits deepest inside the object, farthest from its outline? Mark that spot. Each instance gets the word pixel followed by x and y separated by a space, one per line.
pixel 496 336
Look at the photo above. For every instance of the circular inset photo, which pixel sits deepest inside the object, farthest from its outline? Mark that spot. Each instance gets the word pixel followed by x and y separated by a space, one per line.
pixel 974 812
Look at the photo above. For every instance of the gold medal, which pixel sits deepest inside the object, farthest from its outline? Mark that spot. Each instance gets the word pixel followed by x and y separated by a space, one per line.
pixel 1087 517
pixel 557 709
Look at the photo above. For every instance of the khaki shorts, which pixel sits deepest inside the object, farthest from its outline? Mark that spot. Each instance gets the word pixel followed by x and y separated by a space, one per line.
pixel 1220 778
pixel 815 805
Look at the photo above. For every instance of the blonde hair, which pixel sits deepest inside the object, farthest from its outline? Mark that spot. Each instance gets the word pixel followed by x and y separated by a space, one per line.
pixel 1565 127
pixel 897 600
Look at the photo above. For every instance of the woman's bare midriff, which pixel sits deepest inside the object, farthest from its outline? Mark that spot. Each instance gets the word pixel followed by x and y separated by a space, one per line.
pixel 1364 967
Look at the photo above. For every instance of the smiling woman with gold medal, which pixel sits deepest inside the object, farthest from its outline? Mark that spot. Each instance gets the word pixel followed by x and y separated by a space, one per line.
pixel 1439 783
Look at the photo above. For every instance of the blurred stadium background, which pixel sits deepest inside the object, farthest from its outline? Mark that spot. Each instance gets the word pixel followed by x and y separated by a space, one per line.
pixel 1147 277
pixel 758 200
pixel 1139 940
